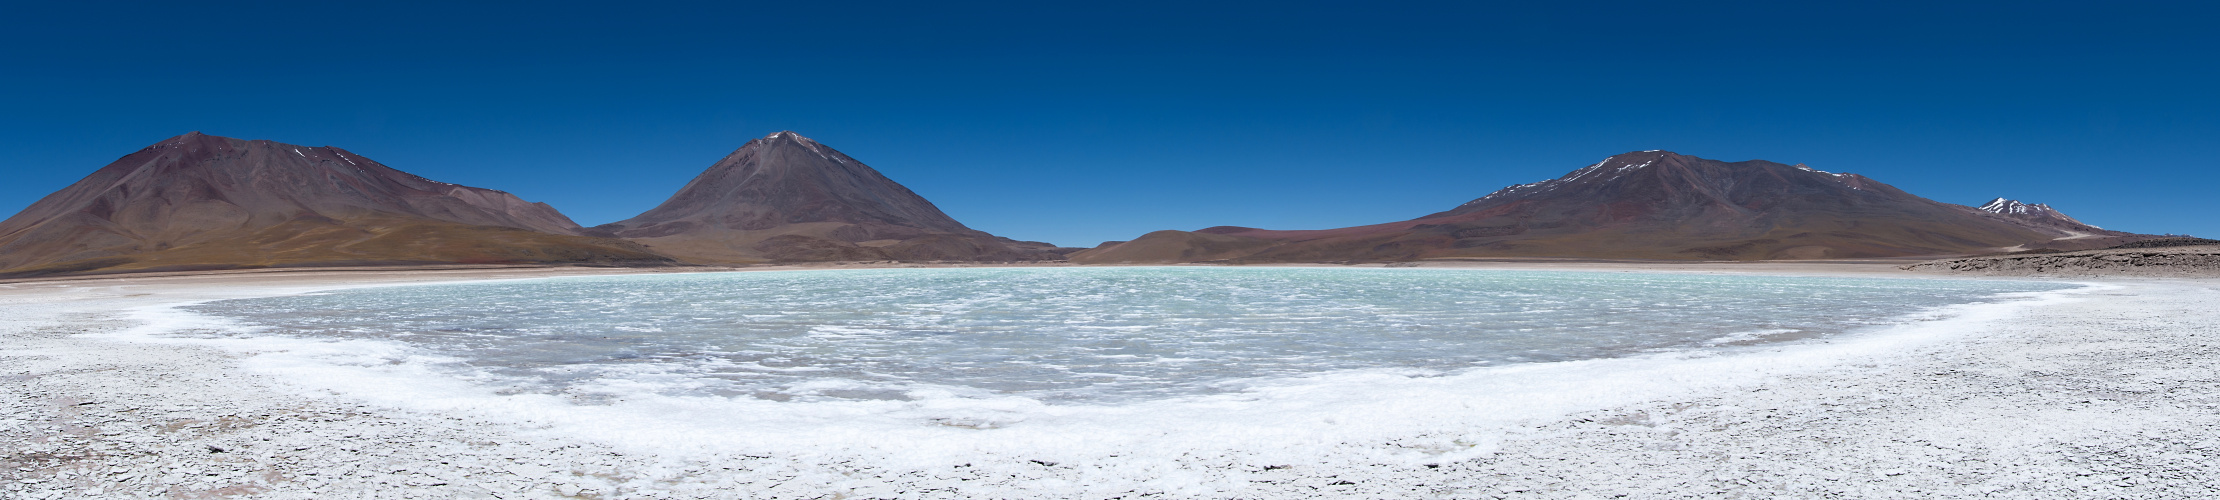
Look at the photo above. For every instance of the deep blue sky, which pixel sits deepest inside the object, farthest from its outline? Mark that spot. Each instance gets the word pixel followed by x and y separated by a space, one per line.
pixel 1078 124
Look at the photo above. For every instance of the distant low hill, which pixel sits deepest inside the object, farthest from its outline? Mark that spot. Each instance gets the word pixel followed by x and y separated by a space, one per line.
pixel 1654 205
pixel 198 201
pixel 786 198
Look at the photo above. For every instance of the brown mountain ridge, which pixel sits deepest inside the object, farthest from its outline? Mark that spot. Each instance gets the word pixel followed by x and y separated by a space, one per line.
pixel 204 202
pixel 785 197
pixel 1652 205
pixel 198 201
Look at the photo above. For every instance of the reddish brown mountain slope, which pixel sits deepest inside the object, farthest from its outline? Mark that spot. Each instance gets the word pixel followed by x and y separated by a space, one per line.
pixel 1653 205
pixel 785 197
pixel 204 202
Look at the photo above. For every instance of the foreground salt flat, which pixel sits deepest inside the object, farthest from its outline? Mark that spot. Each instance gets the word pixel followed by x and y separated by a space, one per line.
pixel 2114 395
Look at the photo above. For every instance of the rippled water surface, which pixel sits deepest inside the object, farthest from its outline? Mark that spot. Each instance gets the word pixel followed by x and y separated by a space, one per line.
pixel 1068 335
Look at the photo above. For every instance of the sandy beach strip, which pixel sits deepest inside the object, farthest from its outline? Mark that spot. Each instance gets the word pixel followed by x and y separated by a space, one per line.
pixel 2113 394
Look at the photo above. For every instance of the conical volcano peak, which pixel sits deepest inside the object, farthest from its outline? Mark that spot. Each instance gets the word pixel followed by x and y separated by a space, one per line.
pixel 195 138
pixel 783 179
pixel 790 137
pixel 786 197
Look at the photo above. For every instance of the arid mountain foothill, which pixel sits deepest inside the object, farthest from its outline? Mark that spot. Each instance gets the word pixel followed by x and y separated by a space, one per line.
pixel 200 202
pixel 785 197
pixel 1653 205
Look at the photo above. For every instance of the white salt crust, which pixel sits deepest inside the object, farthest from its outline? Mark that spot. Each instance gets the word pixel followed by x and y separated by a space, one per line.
pixel 2105 391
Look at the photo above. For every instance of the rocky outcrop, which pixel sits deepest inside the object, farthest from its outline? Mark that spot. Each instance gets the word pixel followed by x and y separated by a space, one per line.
pixel 786 198
pixel 2173 261
pixel 198 201
pixel 2169 241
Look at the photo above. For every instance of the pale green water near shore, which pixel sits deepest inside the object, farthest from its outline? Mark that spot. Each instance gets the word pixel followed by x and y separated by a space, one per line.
pixel 1069 335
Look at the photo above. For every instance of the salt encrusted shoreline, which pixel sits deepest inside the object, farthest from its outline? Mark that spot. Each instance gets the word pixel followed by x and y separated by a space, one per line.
pixel 2115 395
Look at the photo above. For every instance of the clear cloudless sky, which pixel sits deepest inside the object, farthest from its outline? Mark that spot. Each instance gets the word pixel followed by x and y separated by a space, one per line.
pixel 1075 123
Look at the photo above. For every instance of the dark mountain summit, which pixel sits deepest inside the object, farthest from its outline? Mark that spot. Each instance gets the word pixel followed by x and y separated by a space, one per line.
pixel 785 197
pixel 204 202
pixel 1650 205
pixel 787 179
pixel 1661 185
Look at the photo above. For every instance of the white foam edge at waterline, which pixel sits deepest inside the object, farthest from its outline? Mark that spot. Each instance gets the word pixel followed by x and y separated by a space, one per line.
pixel 1196 444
